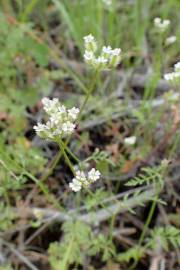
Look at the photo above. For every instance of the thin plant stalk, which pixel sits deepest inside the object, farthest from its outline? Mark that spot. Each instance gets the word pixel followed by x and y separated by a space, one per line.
pixel 146 225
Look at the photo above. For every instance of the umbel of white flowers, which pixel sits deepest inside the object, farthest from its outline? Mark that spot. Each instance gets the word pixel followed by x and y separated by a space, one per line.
pixel 173 77
pixel 170 40
pixel 108 57
pixel 107 2
pixel 161 25
pixel 81 179
pixel 61 120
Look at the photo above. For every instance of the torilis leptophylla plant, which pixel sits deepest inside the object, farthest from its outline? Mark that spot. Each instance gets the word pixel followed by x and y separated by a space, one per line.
pixel 62 121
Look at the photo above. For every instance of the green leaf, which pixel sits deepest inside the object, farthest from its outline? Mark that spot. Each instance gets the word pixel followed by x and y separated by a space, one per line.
pixel 39 51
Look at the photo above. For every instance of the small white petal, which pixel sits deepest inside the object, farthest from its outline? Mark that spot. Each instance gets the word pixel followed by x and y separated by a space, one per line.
pixel 107 2
pixel 101 60
pixel 130 140
pixel 93 175
pixel 89 38
pixel 75 185
pixel 88 55
pixel 170 40
pixel 161 25
pixel 107 50
pixel 116 52
pixel 177 66
pixel 72 113
pixel 68 127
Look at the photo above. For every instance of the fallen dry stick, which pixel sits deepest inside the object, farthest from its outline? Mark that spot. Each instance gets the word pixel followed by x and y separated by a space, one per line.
pixel 91 217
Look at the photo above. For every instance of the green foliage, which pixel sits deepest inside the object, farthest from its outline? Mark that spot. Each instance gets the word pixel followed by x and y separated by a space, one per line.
pixel 134 253
pixel 164 237
pixel 20 53
pixel 20 155
pixel 99 196
pixel 18 47
pixel 6 267
pixel 103 245
pixel 102 159
pixel 99 156
pixel 150 176
pixel 78 241
pixel 6 218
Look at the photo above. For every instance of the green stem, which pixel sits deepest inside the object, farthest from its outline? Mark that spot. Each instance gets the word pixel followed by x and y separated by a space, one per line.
pixel 62 147
pixel 38 182
pixel 65 263
pixel 148 221
pixel 45 190
pixel 51 167
pixel 70 152
pixel 29 8
pixel 90 90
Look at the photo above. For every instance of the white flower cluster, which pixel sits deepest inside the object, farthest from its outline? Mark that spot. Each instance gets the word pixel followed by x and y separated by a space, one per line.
pixel 61 120
pixel 108 58
pixel 170 40
pixel 161 25
pixel 173 76
pixel 130 140
pixel 81 179
pixel 107 2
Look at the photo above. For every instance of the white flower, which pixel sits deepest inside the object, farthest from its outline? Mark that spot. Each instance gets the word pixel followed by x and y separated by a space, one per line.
pixel 68 127
pixel 107 50
pixel 107 59
pixel 61 120
pixel 90 43
pixel 157 21
pixel 81 179
pixel 169 76
pixel 75 185
pixel 42 130
pixel 166 23
pixel 88 56
pixel 116 52
pixel 101 60
pixel 107 2
pixel 80 176
pixel 161 25
pixel 93 175
pixel 89 38
pixel 130 140
pixel 56 118
pixel 50 106
pixel 177 67
pixel 115 57
pixel 40 127
pixel 62 109
pixel 72 113
pixel 172 76
pixel 170 40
